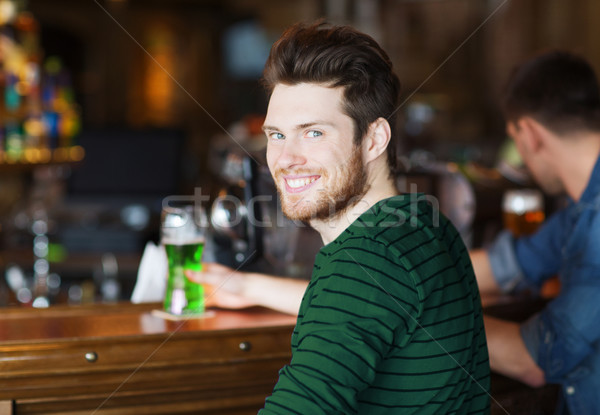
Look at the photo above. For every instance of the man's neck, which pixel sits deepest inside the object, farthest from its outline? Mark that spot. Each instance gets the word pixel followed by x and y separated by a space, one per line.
pixel 577 163
pixel 331 228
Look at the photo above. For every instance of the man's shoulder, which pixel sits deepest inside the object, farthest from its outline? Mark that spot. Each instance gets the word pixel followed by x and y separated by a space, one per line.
pixel 402 230
pixel 403 221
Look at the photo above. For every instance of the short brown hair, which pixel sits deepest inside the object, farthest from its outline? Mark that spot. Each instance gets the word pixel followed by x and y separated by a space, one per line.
pixel 558 89
pixel 339 56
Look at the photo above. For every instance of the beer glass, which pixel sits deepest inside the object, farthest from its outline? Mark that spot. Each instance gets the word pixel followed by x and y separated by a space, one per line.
pixel 523 211
pixel 183 237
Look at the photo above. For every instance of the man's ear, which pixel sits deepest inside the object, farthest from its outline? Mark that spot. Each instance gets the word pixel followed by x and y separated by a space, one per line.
pixel 533 134
pixel 376 140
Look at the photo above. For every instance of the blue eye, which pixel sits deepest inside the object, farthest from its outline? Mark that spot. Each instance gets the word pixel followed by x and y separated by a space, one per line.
pixel 314 133
pixel 276 136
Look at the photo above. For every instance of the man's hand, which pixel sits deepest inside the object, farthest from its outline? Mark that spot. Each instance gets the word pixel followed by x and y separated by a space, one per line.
pixel 228 288
pixel 224 286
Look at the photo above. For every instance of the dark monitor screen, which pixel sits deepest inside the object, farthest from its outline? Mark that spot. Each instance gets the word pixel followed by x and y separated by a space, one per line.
pixel 128 163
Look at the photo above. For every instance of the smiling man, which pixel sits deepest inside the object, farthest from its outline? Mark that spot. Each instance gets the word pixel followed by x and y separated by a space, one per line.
pixel 391 321
pixel 318 171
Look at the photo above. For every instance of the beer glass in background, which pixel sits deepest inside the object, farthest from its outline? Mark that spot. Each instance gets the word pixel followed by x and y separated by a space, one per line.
pixel 523 211
pixel 183 237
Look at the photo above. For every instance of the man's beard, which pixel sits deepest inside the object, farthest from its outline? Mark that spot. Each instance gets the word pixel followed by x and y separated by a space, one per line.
pixel 332 200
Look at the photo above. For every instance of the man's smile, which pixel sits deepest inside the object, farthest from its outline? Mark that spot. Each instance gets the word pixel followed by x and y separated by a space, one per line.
pixel 296 184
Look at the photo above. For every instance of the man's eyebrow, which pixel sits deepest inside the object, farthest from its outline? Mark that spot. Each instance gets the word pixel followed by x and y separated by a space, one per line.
pixel 317 122
pixel 299 126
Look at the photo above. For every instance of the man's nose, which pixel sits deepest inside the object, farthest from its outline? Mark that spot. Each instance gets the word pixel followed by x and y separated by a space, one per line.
pixel 290 155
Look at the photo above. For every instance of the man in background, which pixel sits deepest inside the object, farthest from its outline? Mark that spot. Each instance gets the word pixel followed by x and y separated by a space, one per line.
pixel 552 108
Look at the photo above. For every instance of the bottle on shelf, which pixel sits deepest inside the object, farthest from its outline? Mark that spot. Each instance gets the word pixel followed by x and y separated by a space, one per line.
pixel 39 118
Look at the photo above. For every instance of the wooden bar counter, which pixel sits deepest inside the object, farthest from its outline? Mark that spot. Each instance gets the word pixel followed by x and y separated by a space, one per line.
pixel 122 359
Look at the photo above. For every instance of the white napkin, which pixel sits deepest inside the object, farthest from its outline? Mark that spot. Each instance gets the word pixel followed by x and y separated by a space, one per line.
pixel 152 275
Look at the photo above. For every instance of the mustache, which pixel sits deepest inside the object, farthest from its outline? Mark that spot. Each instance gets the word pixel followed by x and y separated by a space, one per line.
pixel 301 171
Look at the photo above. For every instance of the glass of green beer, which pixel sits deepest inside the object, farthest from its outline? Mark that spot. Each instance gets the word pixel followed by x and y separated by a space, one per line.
pixel 183 237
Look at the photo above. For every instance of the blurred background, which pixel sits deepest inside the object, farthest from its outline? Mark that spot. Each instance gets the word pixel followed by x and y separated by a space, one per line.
pixel 109 106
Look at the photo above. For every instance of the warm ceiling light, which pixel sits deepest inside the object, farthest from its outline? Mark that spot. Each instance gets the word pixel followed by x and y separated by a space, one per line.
pixel 8 11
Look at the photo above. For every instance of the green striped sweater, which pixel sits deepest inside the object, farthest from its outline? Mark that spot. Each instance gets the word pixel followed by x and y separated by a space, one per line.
pixel 391 322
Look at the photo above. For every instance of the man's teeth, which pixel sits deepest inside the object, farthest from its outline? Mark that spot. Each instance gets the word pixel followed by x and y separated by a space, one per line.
pixel 296 183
